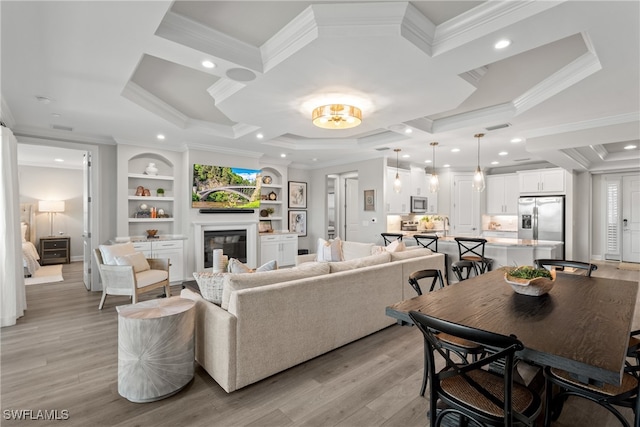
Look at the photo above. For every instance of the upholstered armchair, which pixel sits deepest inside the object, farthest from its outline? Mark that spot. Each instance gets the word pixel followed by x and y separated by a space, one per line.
pixel 126 272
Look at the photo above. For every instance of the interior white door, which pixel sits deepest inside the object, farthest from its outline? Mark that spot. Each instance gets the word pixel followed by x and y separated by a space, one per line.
pixel 86 220
pixel 631 218
pixel 465 212
pixel 352 226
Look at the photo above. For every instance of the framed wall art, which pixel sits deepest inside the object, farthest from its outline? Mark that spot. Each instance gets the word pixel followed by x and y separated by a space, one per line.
pixel 297 195
pixel 298 222
pixel 369 200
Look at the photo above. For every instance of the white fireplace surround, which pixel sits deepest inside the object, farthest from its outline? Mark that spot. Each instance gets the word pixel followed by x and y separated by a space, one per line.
pixel 251 228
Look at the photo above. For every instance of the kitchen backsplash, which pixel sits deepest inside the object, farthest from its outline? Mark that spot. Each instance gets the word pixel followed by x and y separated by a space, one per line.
pixel 500 222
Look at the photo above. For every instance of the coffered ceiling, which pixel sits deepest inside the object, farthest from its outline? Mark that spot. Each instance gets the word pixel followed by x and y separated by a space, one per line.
pixel 423 71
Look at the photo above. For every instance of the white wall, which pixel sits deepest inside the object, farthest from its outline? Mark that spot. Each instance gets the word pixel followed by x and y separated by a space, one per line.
pixel 40 183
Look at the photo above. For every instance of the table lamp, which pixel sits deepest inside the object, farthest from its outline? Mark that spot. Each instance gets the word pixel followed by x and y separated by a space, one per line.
pixel 51 207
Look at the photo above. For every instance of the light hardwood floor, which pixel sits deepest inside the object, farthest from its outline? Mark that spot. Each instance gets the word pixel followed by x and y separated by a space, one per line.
pixel 62 355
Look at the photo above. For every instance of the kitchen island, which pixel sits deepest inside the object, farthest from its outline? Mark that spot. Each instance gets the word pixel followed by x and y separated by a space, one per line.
pixel 504 251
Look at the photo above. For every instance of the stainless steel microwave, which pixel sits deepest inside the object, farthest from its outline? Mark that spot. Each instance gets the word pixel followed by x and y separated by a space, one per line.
pixel 419 204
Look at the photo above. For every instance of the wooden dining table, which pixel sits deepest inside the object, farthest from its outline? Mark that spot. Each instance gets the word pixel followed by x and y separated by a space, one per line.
pixel 582 325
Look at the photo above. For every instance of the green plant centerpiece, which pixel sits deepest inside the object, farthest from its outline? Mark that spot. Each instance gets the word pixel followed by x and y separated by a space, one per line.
pixel 427 223
pixel 160 192
pixel 527 280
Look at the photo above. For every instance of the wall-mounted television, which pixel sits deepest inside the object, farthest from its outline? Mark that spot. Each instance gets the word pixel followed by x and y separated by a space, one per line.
pixel 223 187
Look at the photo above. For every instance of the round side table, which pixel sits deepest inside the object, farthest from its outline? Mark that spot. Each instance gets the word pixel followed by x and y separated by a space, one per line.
pixel 155 348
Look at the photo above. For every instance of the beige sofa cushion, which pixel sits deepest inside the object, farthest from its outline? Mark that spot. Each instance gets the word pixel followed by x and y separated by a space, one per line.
pixel 110 252
pixel 137 260
pixel 360 262
pixel 413 253
pixel 235 282
pixel 353 250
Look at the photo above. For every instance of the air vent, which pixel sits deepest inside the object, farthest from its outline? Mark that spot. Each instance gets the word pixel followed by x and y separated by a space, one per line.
pixel 58 127
pixel 496 127
pixel 520 160
pixel 382 148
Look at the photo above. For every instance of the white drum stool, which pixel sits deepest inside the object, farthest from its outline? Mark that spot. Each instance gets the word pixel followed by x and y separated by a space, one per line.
pixel 155 348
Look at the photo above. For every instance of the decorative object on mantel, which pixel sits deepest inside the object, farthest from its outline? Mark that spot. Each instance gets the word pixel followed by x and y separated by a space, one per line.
pixel 140 190
pixel 266 179
pixel 160 192
pixel 151 169
pixel 273 196
pixel 152 234
pixel 147 192
pixel 527 280
pixel 266 212
pixel 478 177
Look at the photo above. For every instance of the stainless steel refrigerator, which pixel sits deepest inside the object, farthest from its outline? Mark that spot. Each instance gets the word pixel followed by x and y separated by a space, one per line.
pixel 541 218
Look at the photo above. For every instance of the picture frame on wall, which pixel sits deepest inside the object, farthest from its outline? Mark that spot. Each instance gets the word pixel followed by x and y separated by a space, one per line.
pixel 297 195
pixel 369 200
pixel 298 222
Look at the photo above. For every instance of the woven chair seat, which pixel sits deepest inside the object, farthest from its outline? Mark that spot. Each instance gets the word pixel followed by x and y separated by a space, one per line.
pixel 456 388
pixel 470 346
pixel 629 384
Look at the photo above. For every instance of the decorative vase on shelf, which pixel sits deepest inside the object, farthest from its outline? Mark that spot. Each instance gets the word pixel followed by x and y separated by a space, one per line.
pixel 151 169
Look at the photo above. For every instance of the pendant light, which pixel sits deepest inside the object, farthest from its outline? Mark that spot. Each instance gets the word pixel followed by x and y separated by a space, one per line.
pixel 478 176
pixel 434 183
pixel 397 184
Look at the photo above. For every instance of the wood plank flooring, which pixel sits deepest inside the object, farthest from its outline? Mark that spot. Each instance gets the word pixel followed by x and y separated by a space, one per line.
pixel 62 355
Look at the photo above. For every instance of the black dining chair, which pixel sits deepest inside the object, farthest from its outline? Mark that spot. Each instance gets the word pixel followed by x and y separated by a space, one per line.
pixel 561 264
pixel 390 237
pixel 608 396
pixel 472 249
pixel 462 269
pixel 472 391
pixel 430 241
pixel 462 348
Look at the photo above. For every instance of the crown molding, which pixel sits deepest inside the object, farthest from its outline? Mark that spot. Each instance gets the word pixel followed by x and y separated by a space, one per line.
pixel 182 30
pixel 153 104
pixel 223 150
pixel 586 124
pixel 495 114
pixel 33 134
pixel 223 89
pixel 5 113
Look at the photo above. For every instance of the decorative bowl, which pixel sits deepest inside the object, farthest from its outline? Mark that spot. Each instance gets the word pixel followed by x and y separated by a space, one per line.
pixel 533 287
pixel 152 233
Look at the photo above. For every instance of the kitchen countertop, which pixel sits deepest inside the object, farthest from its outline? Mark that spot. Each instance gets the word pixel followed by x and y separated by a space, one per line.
pixel 491 241
pixel 138 239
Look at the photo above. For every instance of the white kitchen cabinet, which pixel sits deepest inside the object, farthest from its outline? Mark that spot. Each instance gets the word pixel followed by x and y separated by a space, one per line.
pixel 502 194
pixel 398 203
pixel 280 247
pixel 419 182
pixel 542 181
pixel 172 249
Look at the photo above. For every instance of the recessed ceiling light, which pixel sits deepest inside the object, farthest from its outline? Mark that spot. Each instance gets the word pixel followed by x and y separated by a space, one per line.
pixel 283 155
pixel 630 147
pixel 259 136
pixel 405 156
pixel 502 44
pixel 446 166
pixel 408 130
pixel 502 153
pixel 495 163
pixel 58 160
pixel 427 161
pixel 160 136
pixel 208 64
pixel 516 140
pixel 455 150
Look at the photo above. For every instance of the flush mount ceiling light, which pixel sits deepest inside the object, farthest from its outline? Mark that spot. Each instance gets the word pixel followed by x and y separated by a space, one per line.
pixel 434 183
pixel 208 64
pixel 336 116
pixel 502 44
pixel 478 176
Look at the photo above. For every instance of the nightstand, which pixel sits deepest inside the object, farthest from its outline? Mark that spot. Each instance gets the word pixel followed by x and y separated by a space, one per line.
pixel 55 250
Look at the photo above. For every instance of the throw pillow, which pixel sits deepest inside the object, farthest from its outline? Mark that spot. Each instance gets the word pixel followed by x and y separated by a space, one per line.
pixel 137 260
pixel 396 246
pixel 329 251
pixel 110 252
pixel 237 267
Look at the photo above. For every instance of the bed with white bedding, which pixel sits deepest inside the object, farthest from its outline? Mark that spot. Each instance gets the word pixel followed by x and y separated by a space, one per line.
pixel 28 232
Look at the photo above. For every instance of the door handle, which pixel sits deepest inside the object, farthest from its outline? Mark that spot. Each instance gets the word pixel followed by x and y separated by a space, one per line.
pixel 624 223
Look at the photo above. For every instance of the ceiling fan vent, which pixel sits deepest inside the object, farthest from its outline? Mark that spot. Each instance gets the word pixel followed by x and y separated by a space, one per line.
pixel 521 160
pixel 496 127
pixel 58 127
pixel 382 148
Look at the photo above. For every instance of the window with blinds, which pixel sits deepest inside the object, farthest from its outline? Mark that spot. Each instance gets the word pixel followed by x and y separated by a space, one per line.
pixel 613 220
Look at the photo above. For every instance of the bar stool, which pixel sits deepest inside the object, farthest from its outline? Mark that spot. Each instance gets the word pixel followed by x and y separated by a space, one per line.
pixel 472 249
pixel 389 237
pixel 430 241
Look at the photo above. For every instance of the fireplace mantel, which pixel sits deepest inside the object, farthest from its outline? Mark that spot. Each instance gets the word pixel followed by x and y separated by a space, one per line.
pixel 251 227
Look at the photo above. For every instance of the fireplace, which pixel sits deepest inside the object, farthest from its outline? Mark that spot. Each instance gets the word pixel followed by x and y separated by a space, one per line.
pixel 236 239
pixel 232 242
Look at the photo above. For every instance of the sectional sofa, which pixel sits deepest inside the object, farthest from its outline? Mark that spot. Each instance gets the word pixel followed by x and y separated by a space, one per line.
pixel 270 321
